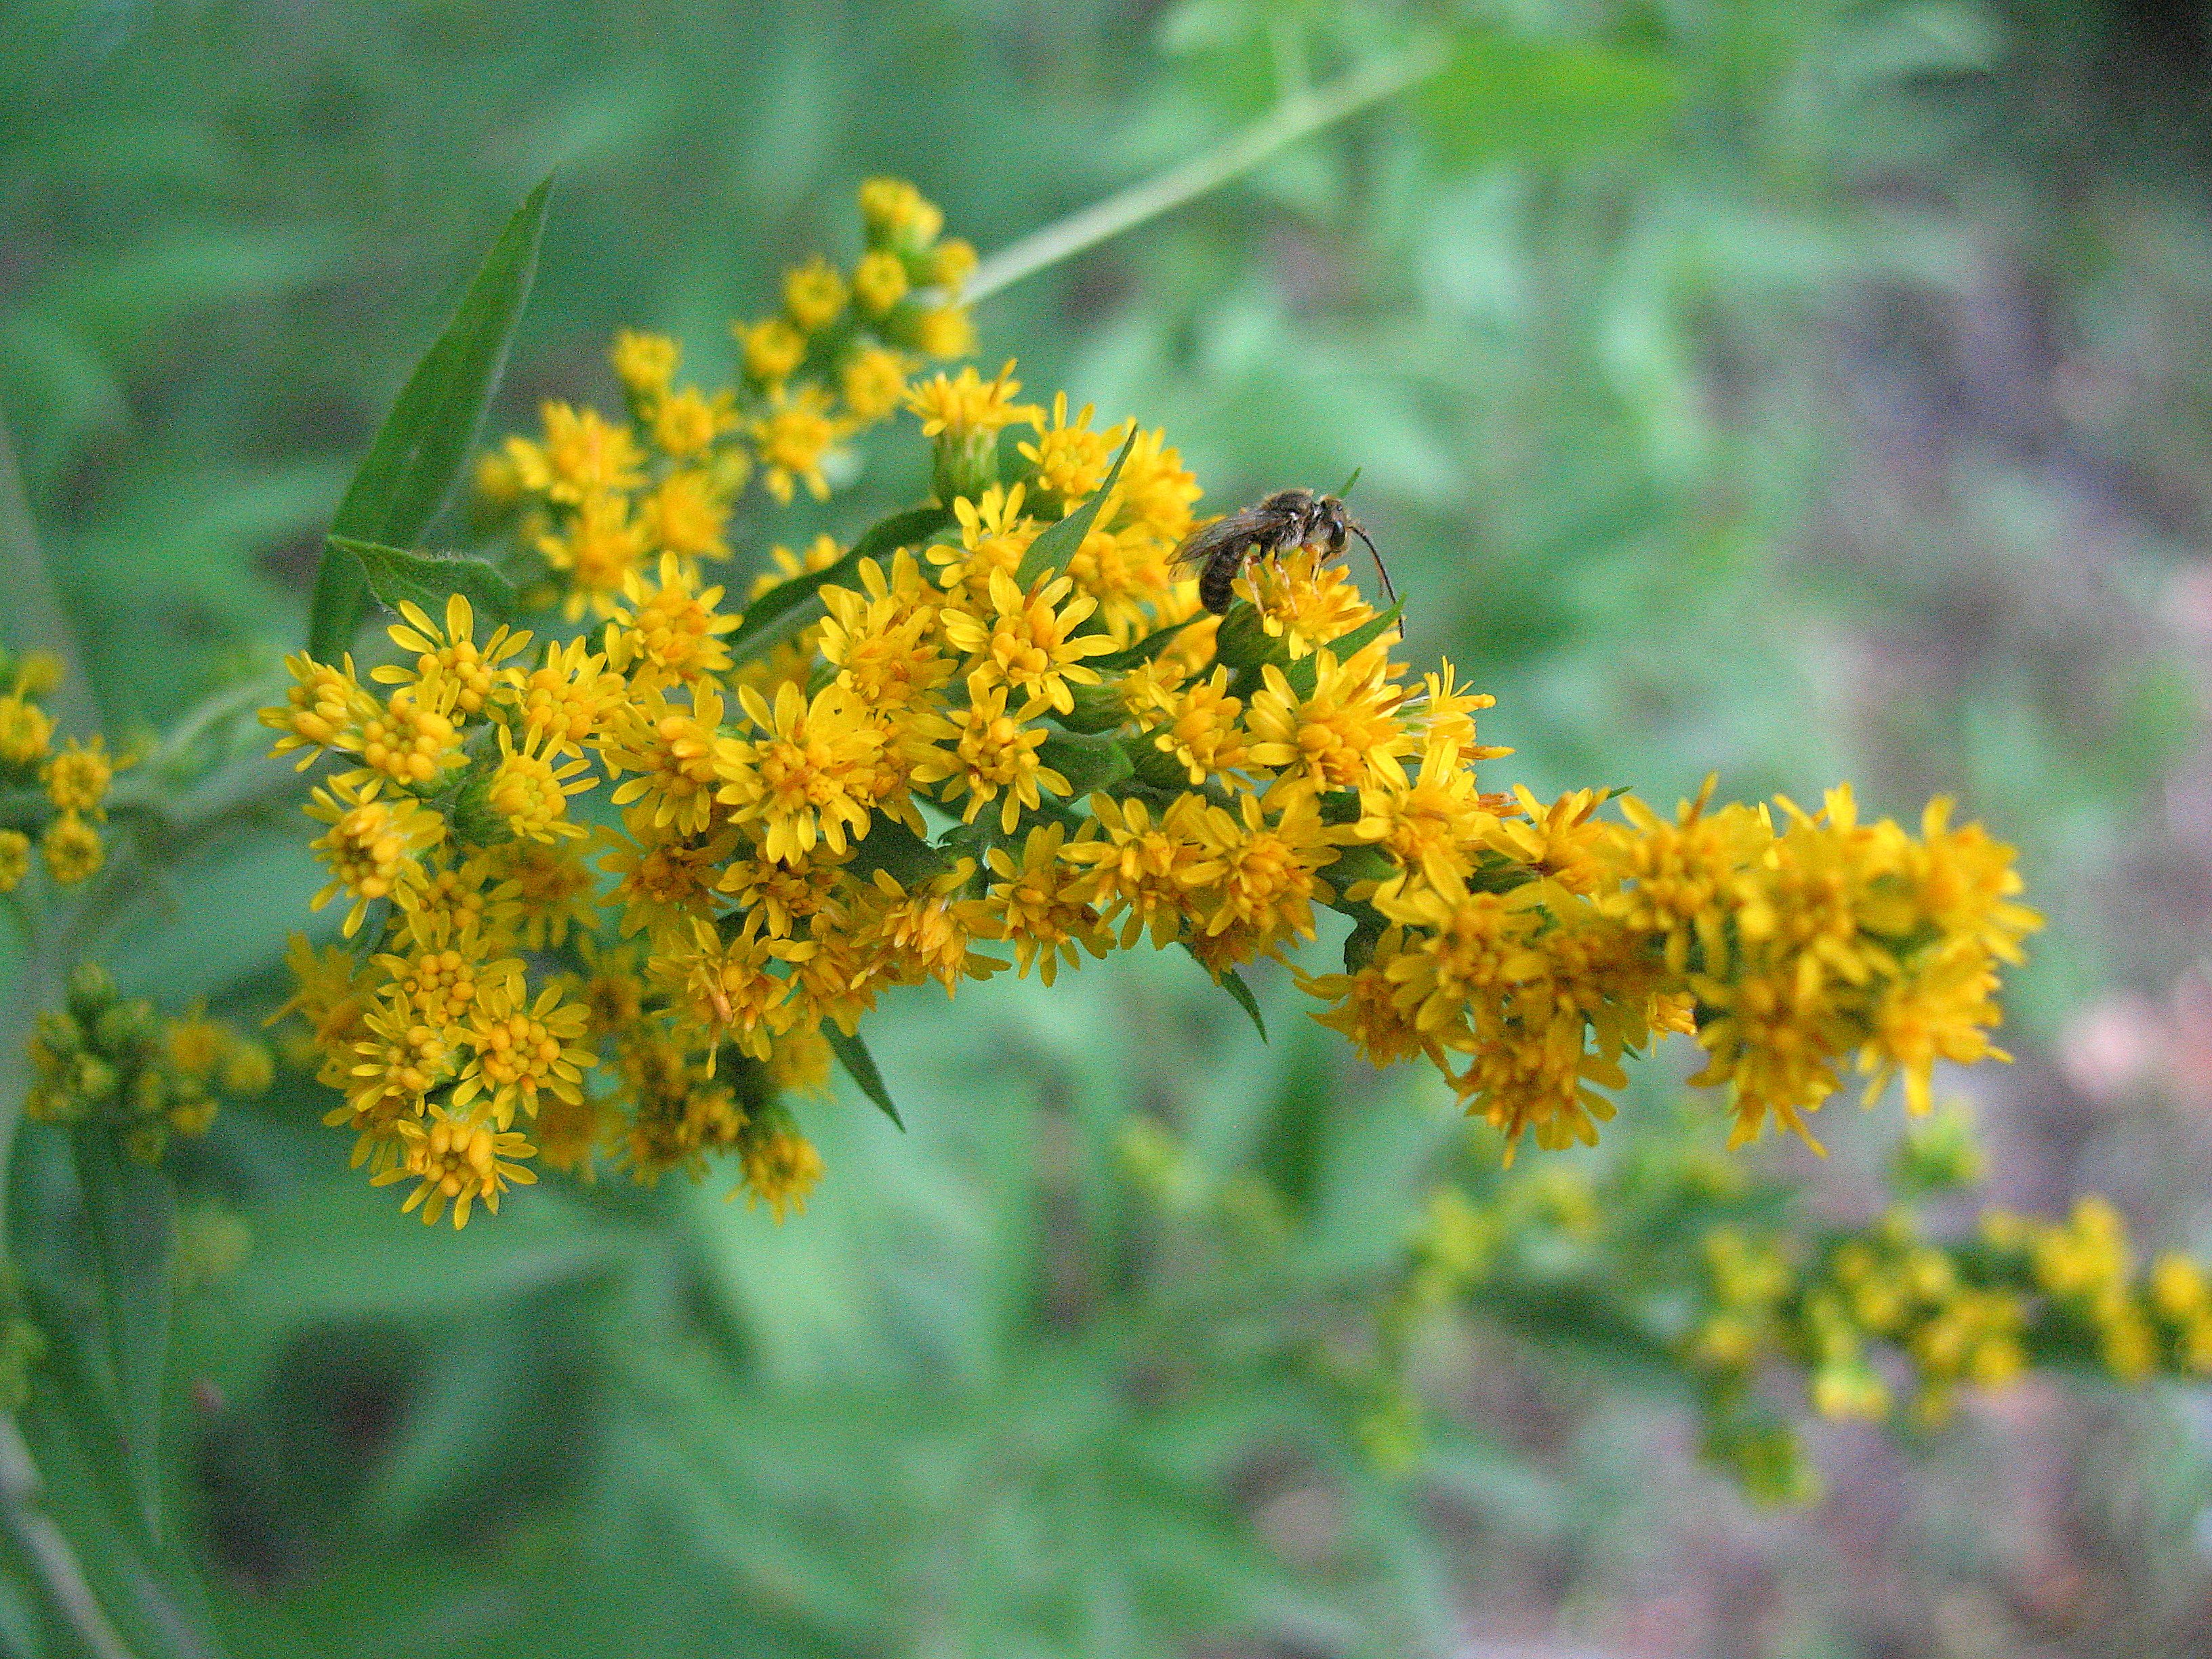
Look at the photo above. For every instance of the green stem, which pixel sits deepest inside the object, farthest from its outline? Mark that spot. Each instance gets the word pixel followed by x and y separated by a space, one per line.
pixel 48 1548
pixel 1297 117
pixel 41 622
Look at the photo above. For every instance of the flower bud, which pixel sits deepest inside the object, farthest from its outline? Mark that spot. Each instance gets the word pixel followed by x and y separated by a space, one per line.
pixel 967 465
pixel 124 1030
pixel 1097 709
pixel 91 989
pixel 50 1103
pixel 150 1091
pixel 59 1036
pixel 1155 765
pixel 1243 640
pixel 248 1069
pixel 90 1078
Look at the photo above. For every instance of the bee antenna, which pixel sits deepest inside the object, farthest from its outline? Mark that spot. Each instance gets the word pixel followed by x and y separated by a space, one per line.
pixel 1380 569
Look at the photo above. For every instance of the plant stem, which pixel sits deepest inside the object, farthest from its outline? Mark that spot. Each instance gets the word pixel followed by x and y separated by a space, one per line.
pixel 49 1550
pixel 1297 117
pixel 41 623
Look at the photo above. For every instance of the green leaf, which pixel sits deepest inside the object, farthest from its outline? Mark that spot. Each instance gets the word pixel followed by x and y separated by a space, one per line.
pixel 1303 673
pixel 1057 545
pixel 900 530
pixel 1345 488
pixel 1144 650
pixel 1359 944
pixel 131 1211
pixel 419 452
pixel 1548 99
pixel 860 1065
pixel 1233 982
pixel 1087 763
pixel 428 579
pixel 146 1589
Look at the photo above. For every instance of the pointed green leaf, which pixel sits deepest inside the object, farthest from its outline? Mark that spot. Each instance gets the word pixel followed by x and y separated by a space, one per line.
pixel 131 1212
pixel 428 579
pixel 1303 673
pixel 1345 488
pixel 1057 545
pixel 1233 982
pixel 420 450
pixel 1359 944
pixel 141 1596
pixel 860 1065
pixel 753 634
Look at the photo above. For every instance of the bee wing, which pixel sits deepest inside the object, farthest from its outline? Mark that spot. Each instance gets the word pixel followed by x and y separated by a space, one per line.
pixel 1201 544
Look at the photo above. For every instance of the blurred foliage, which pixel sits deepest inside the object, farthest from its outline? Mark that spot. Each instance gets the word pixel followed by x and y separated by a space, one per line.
pixel 1849 420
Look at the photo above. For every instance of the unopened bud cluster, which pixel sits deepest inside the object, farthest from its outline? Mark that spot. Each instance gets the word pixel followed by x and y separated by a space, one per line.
pixel 109 1060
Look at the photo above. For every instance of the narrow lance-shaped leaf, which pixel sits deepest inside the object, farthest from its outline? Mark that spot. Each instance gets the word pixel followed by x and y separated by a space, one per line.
pixel 1233 982
pixel 900 530
pixel 428 580
pixel 860 1065
pixel 1303 673
pixel 1053 549
pixel 131 1212
pixel 420 450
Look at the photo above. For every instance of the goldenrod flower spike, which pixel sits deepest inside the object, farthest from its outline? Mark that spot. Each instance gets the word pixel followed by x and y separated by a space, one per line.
pixel 1215 788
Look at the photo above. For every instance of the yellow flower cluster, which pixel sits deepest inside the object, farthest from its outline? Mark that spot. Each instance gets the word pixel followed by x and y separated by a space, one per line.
pixel 63 818
pixel 1542 943
pixel 598 502
pixel 1978 1313
pixel 1662 1257
pixel 685 851
pixel 103 1058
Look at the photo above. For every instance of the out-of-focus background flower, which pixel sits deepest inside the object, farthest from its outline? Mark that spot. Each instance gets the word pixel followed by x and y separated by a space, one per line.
pixel 1792 391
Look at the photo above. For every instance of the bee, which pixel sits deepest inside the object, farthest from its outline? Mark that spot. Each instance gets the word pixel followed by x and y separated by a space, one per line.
pixel 1266 530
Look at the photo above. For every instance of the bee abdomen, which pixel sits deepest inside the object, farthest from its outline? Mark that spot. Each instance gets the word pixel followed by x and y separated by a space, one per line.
pixel 1218 577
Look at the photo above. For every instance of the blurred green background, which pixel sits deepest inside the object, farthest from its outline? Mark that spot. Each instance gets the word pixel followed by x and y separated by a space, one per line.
pixel 1796 391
